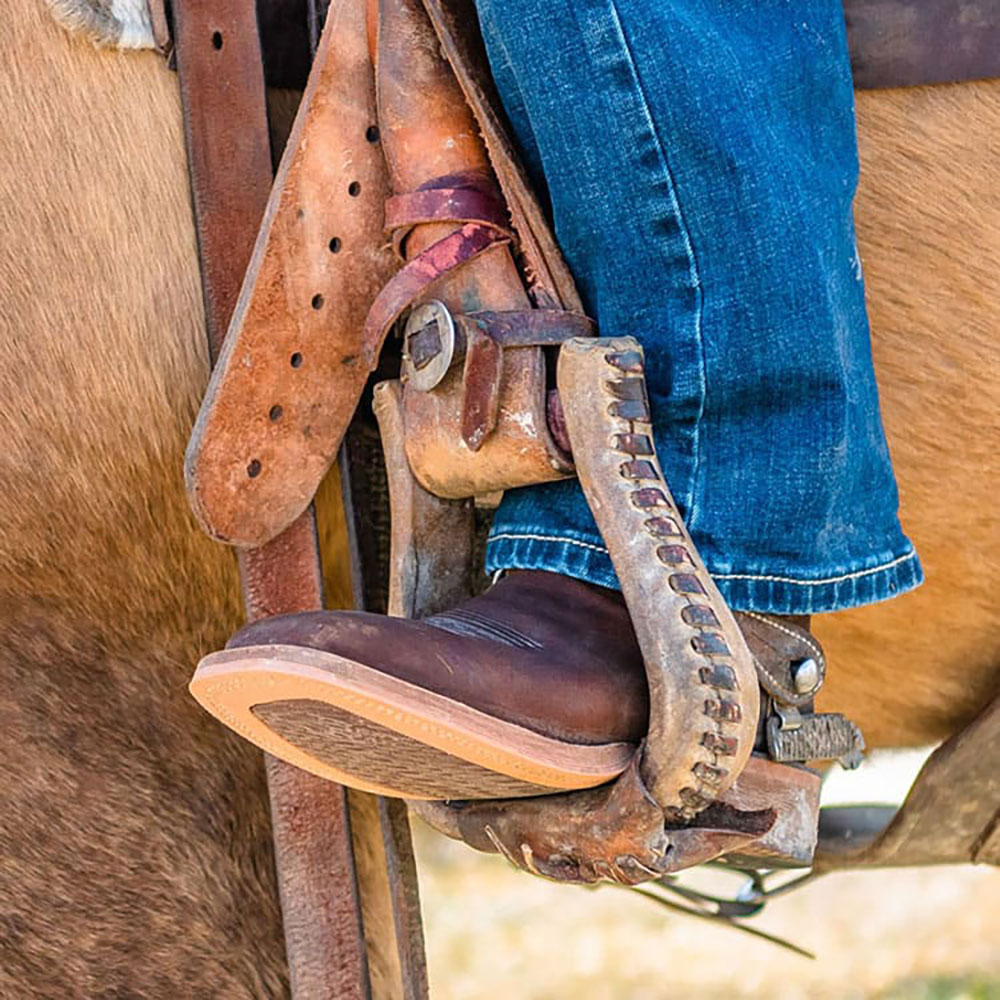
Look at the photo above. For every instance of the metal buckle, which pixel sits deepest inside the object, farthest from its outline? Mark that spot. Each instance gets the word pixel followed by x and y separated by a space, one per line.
pixel 428 345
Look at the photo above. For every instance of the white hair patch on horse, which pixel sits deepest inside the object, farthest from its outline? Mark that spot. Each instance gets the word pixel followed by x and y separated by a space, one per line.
pixel 122 24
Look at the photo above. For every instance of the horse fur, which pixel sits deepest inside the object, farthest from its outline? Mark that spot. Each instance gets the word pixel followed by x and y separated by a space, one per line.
pixel 134 833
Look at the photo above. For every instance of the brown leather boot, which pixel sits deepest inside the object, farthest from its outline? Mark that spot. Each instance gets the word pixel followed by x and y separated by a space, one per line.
pixel 535 686
pixel 538 685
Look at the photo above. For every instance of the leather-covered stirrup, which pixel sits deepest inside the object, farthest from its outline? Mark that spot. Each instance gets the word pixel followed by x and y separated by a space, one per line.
pixel 704 699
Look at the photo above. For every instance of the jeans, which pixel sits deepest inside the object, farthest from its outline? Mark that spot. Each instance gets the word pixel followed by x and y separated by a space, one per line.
pixel 699 161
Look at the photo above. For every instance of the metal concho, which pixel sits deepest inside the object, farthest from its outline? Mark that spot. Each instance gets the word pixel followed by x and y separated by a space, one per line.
pixel 428 345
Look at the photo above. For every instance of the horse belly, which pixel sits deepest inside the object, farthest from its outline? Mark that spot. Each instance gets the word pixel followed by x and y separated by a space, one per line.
pixel 914 669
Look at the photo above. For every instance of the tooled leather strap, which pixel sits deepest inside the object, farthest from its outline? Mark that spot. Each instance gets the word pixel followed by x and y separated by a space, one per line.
pixel 222 90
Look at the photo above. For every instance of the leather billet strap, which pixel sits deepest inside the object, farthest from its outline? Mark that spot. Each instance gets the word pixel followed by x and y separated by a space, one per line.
pixel 221 81
pixel 905 43
pixel 292 371
pixel 222 89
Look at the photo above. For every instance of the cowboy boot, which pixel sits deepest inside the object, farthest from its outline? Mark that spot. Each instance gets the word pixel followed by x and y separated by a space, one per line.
pixel 537 685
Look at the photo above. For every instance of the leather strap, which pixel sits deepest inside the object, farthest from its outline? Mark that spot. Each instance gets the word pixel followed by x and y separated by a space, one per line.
pixel 528 327
pixel 419 274
pixel 222 90
pixel 229 151
pixel 487 335
pixel 443 204
pixel 904 43
pixel 291 374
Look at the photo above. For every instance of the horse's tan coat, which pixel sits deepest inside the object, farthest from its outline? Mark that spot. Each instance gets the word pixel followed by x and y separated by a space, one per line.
pixel 928 215
pixel 136 858
pixel 134 838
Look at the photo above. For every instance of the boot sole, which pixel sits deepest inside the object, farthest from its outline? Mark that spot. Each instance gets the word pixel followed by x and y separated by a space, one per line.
pixel 345 721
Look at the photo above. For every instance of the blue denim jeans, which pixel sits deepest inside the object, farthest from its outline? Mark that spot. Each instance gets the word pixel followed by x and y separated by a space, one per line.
pixel 699 161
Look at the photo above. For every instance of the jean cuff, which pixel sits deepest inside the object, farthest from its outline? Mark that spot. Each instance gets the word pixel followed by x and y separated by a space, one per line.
pixel 586 558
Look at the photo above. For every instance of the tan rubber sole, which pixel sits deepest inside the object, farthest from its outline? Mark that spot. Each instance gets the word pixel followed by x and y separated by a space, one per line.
pixel 347 722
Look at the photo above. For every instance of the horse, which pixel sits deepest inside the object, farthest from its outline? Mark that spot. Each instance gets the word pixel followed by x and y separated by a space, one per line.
pixel 135 833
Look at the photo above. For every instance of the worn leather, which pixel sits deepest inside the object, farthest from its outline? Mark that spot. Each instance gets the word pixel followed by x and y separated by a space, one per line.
pixel 704 697
pixel 618 833
pixel 431 562
pixel 229 149
pixel 614 833
pixel 540 650
pixel 293 368
pixel 230 162
pixel 903 43
pixel 431 137
pixel 549 281
pixel 779 645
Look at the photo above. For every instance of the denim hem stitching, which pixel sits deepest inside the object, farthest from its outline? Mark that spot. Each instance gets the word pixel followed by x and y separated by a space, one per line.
pixel 827 579
pixel 514 537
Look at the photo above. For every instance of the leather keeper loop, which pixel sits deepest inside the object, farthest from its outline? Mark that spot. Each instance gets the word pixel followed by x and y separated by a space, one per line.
pixel 418 275
pixel 480 338
pixel 528 327
pixel 486 335
pixel 481 388
pixel 460 205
